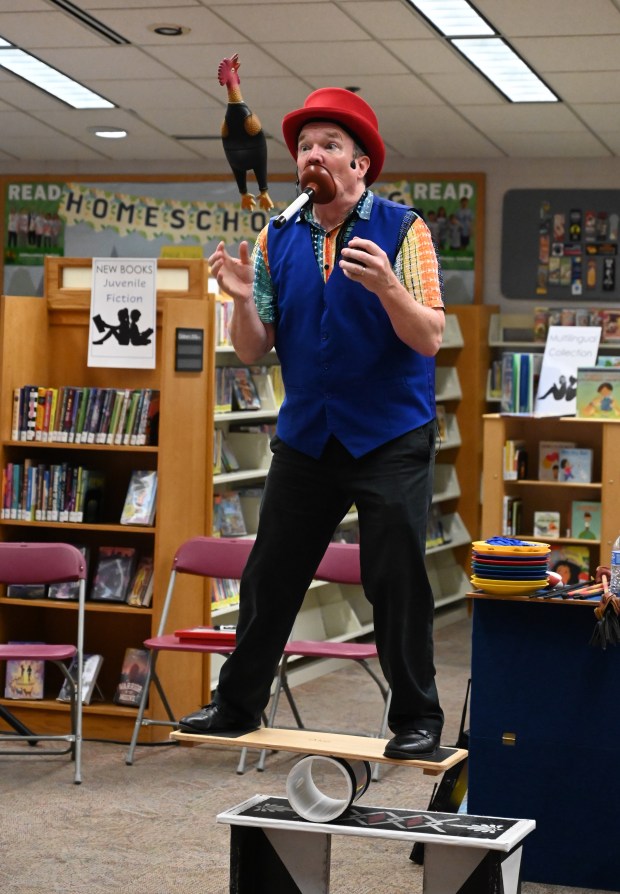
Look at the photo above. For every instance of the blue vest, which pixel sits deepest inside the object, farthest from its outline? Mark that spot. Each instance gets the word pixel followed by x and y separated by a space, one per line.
pixel 345 370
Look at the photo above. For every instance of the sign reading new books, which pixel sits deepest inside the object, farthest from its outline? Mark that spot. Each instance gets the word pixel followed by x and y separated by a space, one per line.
pixel 123 313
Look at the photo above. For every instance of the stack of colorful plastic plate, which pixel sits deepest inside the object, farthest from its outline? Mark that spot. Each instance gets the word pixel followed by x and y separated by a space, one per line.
pixel 507 566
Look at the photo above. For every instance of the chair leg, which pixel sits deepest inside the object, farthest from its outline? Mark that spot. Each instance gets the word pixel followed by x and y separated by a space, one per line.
pixel 376 769
pixel 141 708
pixel 281 684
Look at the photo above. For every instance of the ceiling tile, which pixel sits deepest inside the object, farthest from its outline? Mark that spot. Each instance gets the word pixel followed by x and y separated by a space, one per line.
pixel 169 93
pixel 551 145
pixel 206 27
pixel 552 17
pixel 31 31
pixel 202 61
pixel 526 117
pixel 109 62
pixel 600 53
pixel 586 87
pixel 338 58
pixel 387 19
pixel 427 56
pixel 600 116
pixel 271 23
pixel 465 87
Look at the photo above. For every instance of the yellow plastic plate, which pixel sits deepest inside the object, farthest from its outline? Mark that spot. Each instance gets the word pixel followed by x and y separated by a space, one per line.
pixel 508 588
pixel 529 548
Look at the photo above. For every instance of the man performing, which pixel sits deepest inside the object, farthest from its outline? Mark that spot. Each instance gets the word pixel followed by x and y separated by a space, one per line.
pixel 349 292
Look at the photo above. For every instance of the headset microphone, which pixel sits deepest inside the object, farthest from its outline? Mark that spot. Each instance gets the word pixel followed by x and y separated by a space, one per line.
pixel 353 164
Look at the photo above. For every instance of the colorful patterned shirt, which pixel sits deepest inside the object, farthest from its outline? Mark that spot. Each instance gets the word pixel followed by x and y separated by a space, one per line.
pixel 416 265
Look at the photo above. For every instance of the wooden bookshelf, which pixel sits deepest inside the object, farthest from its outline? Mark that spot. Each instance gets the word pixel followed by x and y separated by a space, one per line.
pixel 44 341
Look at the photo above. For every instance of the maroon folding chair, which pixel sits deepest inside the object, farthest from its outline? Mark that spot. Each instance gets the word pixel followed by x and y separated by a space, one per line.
pixel 212 557
pixel 47 563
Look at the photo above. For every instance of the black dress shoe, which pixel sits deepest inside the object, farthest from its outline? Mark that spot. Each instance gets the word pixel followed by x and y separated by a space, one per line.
pixel 215 718
pixel 411 744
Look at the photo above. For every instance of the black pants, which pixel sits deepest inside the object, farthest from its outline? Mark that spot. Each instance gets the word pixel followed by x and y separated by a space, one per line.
pixel 304 501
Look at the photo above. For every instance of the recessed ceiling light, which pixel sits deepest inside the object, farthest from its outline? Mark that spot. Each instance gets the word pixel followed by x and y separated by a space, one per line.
pixel 108 133
pixel 165 30
pixel 49 79
pixel 467 31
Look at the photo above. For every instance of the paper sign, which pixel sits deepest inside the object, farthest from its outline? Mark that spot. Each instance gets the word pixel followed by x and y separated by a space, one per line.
pixel 567 348
pixel 123 313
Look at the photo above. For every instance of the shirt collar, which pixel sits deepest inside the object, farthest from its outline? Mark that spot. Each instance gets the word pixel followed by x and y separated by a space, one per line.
pixel 362 209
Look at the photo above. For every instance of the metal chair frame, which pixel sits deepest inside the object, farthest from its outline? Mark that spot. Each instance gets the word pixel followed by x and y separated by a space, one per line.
pixel 213 557
pixel 216 557
pixel 47 563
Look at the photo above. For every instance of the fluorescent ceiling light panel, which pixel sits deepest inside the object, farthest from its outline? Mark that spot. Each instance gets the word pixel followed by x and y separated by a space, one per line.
pixel 501 65
pixel 454 18
pixel 49 79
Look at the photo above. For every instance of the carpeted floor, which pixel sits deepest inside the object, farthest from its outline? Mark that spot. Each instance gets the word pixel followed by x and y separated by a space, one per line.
pixel 150 828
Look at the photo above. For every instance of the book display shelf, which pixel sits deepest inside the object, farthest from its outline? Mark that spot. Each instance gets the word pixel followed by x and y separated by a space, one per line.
pixel 535 495
pixel 461 370
pixel 522 333
pixel 45 341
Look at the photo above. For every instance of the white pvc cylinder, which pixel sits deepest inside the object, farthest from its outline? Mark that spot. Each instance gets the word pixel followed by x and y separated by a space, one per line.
pixel 352 778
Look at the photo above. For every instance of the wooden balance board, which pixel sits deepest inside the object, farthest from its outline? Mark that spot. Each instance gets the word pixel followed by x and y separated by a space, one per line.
pixel 302 741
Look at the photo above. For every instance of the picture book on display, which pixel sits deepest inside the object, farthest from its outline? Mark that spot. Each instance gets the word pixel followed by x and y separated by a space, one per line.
pixel 90 672
pixel 140 592
pixel 598 392
pixel 549 459
pixel 575 465
pixel 24 678
pixel 245 395
pixel 586 519
pixel 113 573
pixel 546 523
pixel 69 589
pixel 571 562
pixel 140 502
pixel 228 519
pixel 133 678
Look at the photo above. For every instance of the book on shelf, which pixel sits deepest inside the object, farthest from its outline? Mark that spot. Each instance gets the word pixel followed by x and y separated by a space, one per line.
pixel 69 590
pixel 90 671
pixel 520 373
pixel 224 591
pixel 571 562
pixel 59 492
pixel 132 678
pixel 245 394
pixel 442 429
pixel 26 591
pixel 546 523
pixel 228 519
pixel 586 519
pixel 223 636
pixel 515 460
pixel 24 678
pixel 85 415
pixel 140 593
pixel 113 573
pixel 229 461
pixel 549 459
pixel 598 392
pixel 141 499
pixel 575 465
pixel 511 515
pixel 223 389
pixel 435 531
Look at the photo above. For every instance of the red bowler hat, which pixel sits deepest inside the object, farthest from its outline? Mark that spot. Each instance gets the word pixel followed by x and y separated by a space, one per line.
pixel 347 109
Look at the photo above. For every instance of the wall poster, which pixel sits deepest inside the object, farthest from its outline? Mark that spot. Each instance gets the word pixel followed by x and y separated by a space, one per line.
pixel 120 217
pixel 561 244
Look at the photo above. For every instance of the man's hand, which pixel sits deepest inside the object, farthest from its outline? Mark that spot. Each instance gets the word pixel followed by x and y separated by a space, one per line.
pixel 235 276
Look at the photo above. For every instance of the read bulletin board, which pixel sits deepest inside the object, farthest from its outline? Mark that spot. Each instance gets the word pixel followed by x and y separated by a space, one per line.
pixel 561 244
pixel 119 216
